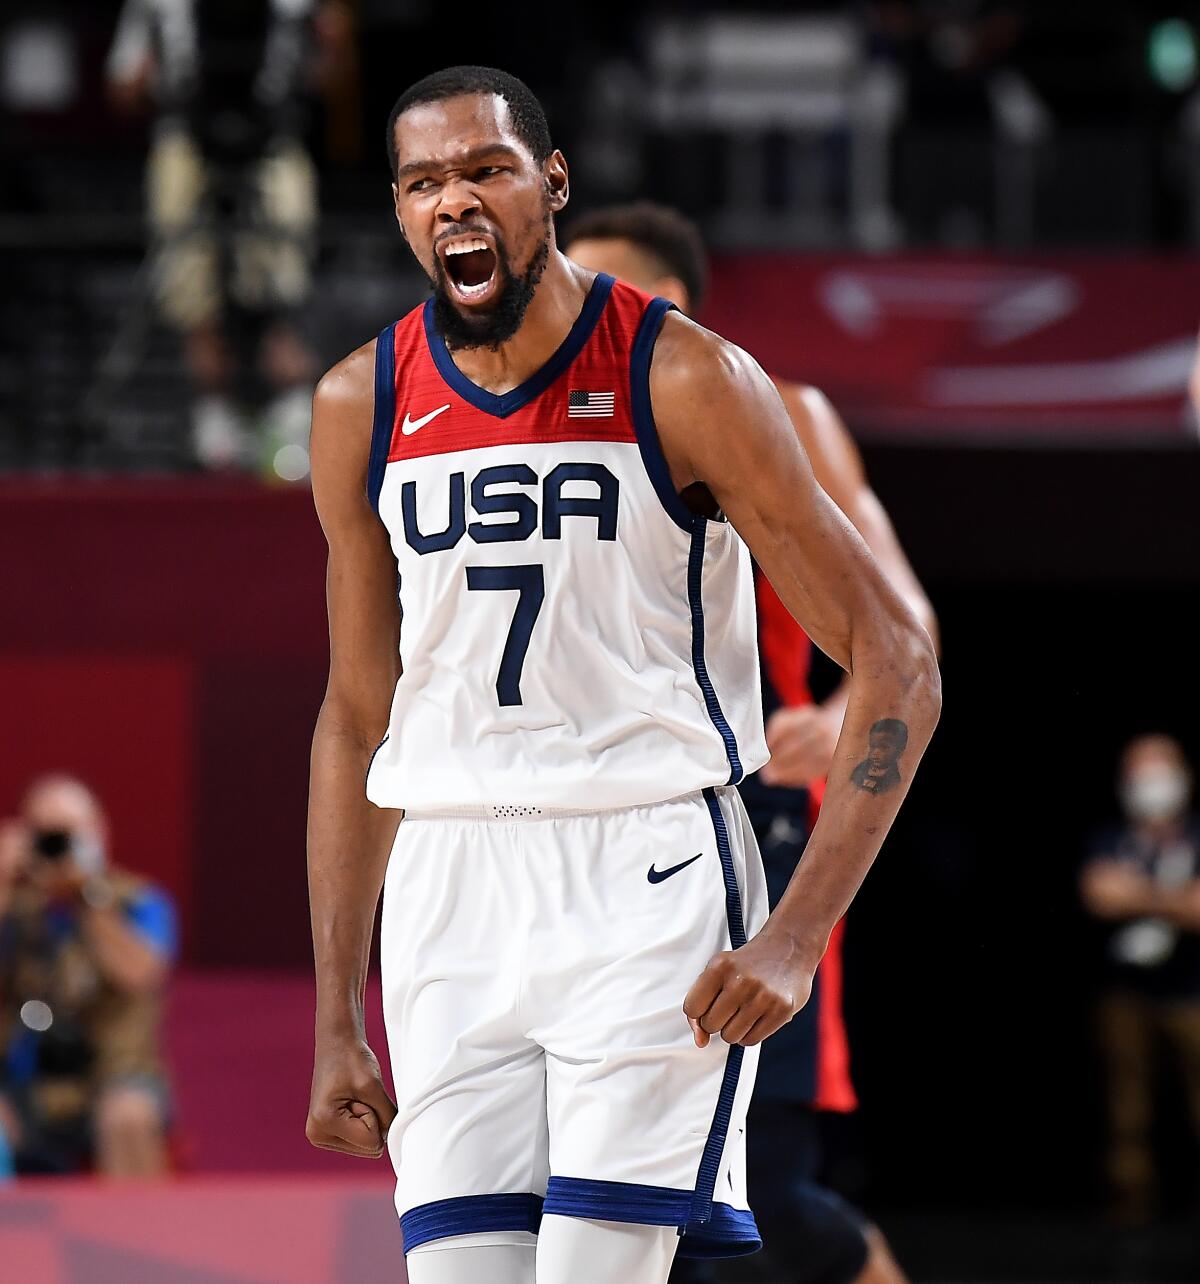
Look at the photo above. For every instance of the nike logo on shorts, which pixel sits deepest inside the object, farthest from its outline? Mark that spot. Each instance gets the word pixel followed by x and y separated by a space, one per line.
pixel 657 875
pixel 410 426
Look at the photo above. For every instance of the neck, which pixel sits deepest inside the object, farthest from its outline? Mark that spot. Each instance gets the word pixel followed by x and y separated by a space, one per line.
pixel 552 312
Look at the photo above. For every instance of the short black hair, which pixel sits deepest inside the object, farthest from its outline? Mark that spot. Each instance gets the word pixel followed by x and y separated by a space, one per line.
pixel 524 111
pixel 893 727
pixel 663 233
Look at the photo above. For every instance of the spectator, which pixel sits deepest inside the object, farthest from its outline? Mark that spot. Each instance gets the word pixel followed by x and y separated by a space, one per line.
pixel 85 948
pixel 232 198
pixel 1143 883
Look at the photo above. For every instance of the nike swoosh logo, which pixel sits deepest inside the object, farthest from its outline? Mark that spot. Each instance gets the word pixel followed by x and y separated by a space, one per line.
pixel 410 426
pixel 657 875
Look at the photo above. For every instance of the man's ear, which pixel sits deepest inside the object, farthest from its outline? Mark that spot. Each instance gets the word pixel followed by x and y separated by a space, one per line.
pixel 558 183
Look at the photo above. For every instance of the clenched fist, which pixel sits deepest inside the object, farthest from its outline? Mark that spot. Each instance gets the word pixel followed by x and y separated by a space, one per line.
pixel 746 994
pixel 349 1109
pixel 801 741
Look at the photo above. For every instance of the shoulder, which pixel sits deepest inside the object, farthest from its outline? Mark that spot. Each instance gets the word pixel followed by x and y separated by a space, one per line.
pixel 696 365
pixel 340 440
pixel 1107 842
pixel 348 386
pixel 343 413
pixel 803 400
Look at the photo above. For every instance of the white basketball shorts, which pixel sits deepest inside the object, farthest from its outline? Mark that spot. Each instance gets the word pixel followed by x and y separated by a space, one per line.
pixel 535 964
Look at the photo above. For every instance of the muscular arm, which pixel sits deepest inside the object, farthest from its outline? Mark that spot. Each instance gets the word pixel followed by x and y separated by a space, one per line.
pixel 349 838
pixel 802 739
pixel 722 424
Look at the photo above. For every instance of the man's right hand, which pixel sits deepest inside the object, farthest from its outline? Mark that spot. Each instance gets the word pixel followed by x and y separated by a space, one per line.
pixel 349 1110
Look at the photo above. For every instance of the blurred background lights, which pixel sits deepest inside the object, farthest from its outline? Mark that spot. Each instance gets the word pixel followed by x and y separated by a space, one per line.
pixel 1173 54
pixel 291 462
pixel 36 1015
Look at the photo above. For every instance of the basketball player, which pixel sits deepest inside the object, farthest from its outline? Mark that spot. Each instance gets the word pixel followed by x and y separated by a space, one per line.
pixel 578 964
pixel 805 1068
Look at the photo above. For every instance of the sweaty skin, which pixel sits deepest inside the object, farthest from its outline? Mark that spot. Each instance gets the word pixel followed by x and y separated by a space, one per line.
pixel 723 427
pixel 802 738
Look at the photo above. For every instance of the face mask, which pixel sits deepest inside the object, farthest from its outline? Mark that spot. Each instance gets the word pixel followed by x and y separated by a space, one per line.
pixel 1155 793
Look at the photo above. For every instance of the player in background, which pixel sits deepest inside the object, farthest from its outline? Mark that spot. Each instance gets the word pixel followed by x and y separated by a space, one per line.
pixel 805 1067
pixel 579 695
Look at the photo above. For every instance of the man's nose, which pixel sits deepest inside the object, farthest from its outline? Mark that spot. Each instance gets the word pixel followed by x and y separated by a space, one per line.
pixel 459 201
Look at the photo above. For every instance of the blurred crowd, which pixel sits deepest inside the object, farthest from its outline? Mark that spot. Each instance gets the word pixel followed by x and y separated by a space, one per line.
pixel 86 948
pixel 231 194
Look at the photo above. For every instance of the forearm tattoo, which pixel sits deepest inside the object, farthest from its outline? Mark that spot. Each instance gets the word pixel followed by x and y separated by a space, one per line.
pixel 879 771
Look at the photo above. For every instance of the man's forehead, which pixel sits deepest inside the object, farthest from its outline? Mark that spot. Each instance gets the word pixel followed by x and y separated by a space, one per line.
pixel 452 127
pixel 61 797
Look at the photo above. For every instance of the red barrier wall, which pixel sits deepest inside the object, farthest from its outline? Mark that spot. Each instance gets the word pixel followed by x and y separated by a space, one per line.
pixel 201 1231
pixel 166 640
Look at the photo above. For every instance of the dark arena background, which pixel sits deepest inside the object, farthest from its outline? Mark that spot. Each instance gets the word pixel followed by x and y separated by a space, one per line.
pixel 973 223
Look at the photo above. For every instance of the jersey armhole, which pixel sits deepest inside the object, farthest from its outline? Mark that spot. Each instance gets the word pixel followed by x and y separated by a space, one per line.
pixel 385 412
pixel 644 426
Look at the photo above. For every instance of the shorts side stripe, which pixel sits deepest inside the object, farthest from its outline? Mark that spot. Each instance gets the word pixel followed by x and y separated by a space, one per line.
pixel 710 1161
pixel 470 1215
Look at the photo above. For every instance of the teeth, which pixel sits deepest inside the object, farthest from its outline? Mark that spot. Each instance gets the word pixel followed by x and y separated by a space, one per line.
pixel 470 291
pixel 466 247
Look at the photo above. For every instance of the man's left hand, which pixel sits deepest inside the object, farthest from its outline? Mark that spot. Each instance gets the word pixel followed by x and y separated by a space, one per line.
pixel 746 994
pixel 801 740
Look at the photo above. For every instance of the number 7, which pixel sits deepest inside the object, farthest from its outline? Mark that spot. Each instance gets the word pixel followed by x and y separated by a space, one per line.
pixel 531 584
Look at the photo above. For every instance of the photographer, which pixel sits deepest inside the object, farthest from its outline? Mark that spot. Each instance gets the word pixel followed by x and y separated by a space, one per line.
pixel 85 949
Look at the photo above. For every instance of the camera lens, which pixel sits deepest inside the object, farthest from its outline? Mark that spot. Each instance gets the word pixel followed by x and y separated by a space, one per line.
pixel 52 843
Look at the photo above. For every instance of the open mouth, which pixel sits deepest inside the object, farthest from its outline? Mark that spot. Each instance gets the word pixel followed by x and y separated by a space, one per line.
pixel 470 263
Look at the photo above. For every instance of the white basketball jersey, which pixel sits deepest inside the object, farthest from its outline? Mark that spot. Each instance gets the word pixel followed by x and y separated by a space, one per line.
pixel 572 634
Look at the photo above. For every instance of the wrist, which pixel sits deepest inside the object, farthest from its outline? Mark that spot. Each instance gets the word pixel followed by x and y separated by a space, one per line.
pixel 803 944
pixel 340 1021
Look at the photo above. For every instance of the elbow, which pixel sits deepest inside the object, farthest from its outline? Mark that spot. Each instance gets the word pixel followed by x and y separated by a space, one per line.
pixel 918 672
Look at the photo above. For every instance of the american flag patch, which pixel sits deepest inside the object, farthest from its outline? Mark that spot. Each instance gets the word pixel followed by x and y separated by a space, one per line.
pixel 590 405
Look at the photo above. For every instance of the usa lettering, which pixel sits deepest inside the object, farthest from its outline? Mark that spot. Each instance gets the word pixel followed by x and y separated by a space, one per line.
pixel 513 514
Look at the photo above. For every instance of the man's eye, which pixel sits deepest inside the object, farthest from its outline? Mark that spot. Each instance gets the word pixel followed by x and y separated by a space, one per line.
pixel 420 185
pixel 487 171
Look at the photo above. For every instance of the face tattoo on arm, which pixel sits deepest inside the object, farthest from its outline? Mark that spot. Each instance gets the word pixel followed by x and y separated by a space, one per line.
pixel 879 771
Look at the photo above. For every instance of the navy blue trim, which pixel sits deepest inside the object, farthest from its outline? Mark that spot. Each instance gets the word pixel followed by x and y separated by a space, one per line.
pixel 733 893
pixel 618 1201
pixel 710 1161
pixel 505 403
pixel 387 735
pixel 695 580
pixel 470 1215
pixel 653 459
pixel 385 411
pixel 729 1232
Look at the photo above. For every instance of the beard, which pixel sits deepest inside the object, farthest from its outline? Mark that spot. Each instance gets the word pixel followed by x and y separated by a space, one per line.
pixel 501 321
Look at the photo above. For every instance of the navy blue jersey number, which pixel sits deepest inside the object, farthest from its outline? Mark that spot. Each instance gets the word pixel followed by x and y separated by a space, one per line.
pixel 530 583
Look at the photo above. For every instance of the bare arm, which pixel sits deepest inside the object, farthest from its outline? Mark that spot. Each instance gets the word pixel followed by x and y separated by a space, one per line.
pixel 1117 891
pixel 723 425
pixel 802 739
pixel 349 839
pixel 121 952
